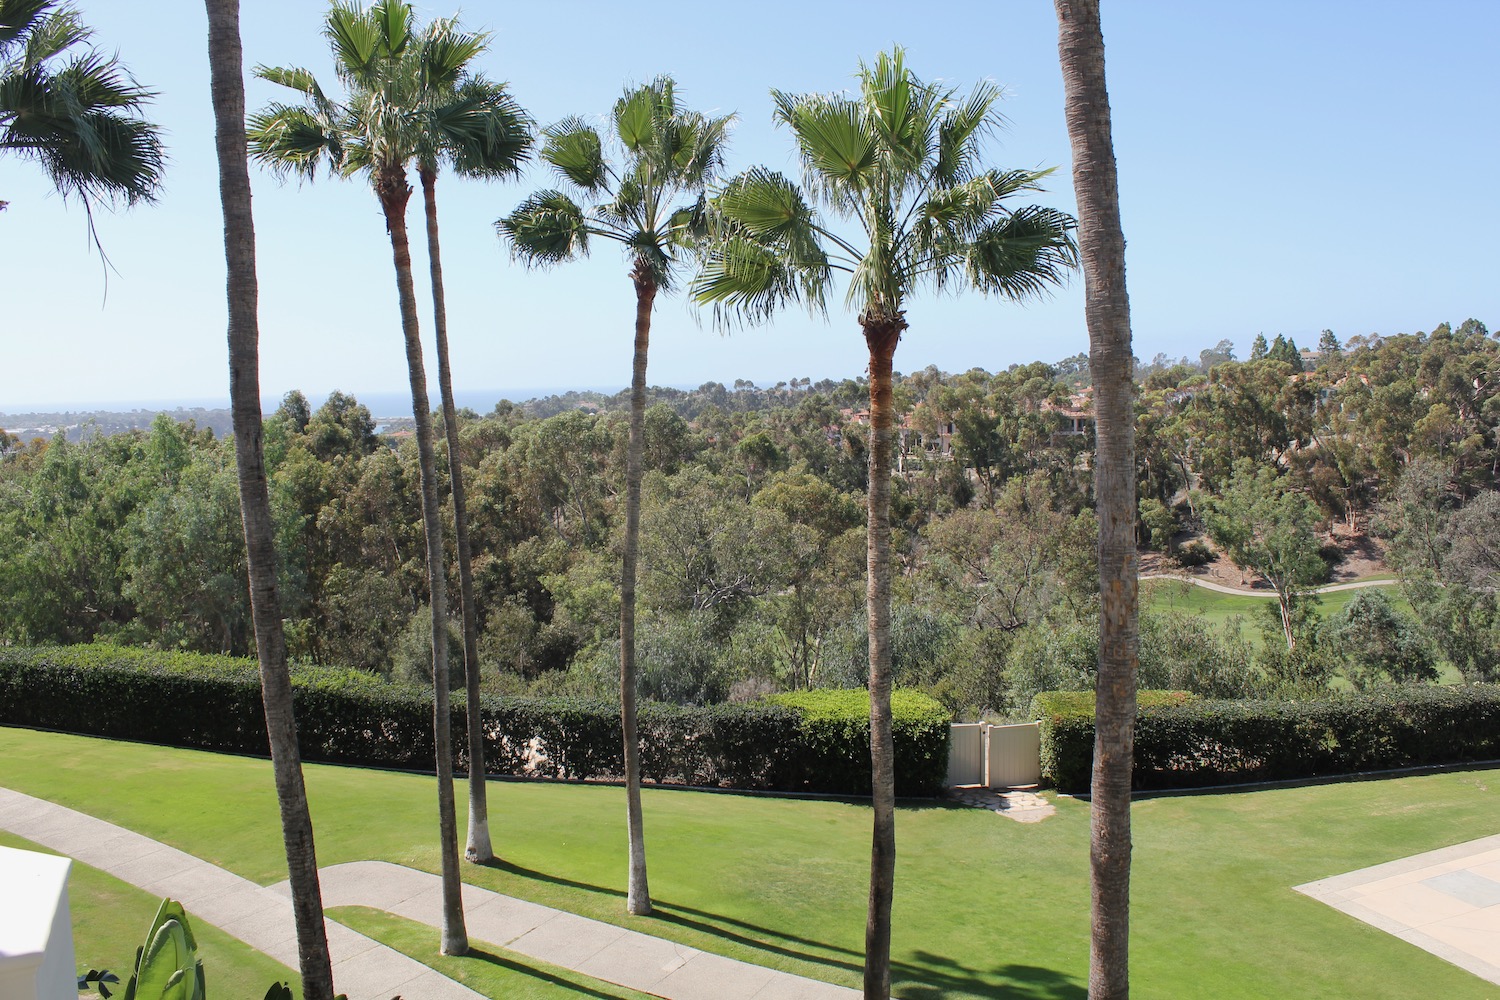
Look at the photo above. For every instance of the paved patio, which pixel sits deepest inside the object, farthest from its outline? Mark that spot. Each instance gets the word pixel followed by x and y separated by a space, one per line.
pixel 1446 902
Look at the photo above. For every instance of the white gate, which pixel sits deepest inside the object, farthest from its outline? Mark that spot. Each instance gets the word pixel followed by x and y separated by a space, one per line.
pixel 1013 755
pixel 966 754
pixel 995 756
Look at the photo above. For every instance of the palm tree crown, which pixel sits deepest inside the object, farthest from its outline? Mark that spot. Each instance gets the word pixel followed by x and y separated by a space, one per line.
pixel 410 97
pixel 668 153
pixel 901 160
pixel 73 109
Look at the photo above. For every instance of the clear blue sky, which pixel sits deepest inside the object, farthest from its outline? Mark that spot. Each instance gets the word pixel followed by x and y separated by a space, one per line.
pixel 1285 167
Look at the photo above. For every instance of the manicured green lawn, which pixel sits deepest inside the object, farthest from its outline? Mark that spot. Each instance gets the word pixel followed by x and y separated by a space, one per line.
pixel 984 906
pixel 110 920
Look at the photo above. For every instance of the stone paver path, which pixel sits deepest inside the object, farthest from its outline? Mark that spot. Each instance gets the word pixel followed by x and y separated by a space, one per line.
pixel 368 970
pixel 1018 804
pixel 1446 902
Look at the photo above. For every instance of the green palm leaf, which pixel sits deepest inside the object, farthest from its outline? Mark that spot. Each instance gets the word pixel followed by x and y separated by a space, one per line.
pixel 546 228
pixel 75 114
pixel 575 150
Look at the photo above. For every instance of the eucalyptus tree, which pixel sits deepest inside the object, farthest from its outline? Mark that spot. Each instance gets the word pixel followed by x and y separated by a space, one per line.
pixel 226 67
pixel 382 125
pixel 1107 306
pixel 474 125
pixel 74 110
pixel 900 164
pixel 649 199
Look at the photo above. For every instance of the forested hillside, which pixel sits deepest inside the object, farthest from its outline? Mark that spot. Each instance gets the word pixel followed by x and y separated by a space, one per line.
pixel 752 529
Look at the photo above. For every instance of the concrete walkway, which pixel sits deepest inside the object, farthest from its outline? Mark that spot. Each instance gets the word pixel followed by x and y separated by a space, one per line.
pixel 1219 588
pixel 1446 902
pixel 368 970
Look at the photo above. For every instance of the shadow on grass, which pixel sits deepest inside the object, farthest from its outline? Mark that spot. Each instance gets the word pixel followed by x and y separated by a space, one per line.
pixel 930 976
pixel 940 977
pixel 509 965
pixel 713 924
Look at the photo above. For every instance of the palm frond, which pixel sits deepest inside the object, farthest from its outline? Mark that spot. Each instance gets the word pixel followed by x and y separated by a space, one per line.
pixel 80 122
pixel 640 114
pixel 482 130
pixel 19 19
pixel 50 35
pixel 445 52
pixel 575 151
pixel 545 229
pixel 746 281
pixel 961 130
pixel 291 140
pixel 1023 255
pixel 838 148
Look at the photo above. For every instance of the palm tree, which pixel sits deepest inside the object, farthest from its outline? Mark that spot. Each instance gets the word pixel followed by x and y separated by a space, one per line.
pixel 379 129
pixel 900 161
pixel 226 62
pixel 666 153
pixel 475 125
pixel 73 109
pixel 1102 246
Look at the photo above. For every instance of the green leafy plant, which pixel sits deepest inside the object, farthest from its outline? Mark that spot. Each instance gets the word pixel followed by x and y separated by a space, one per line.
pixel 167 965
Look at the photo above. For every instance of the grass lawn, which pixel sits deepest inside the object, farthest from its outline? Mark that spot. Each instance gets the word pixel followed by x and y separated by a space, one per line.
pixel 1170 595
pixel 110 920
pixel 984 906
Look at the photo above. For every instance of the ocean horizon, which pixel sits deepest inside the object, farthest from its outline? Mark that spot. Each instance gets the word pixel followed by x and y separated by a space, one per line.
pixel 380 404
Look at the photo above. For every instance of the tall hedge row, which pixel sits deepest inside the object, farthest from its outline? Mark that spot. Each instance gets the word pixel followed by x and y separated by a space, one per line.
pixel 815 741
pixel 1184 742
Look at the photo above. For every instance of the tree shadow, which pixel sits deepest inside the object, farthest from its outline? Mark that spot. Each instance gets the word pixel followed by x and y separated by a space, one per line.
pixel 500 962
pixel 941 977
pixel 713 924
pixel 927 976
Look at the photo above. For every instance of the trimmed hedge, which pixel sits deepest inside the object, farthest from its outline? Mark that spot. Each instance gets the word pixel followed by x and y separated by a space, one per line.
pixel 834 745
pixel 350 717
pixel 1184 742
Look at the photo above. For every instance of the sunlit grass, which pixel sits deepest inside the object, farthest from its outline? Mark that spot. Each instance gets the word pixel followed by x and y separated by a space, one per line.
pixel 984 906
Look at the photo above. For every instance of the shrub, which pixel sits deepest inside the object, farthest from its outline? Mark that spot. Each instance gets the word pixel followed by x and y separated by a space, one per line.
pixel 1066 721
pixel 833 745
pixel 1194 553
pixel 814 741
pixel 1187 743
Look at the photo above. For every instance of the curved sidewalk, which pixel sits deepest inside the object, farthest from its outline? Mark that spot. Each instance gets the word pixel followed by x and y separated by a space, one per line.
pixel 1219 588
pixel 365 969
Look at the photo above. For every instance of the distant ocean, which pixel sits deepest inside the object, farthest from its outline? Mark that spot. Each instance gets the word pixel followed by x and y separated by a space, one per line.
pixel 380 404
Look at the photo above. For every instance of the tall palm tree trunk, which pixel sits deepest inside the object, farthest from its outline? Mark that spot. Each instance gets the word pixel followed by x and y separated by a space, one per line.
pixel 1102 251
pixel 226 63
pixel 881 335
pixel 638 899
pixel 393 191
pixel 478 849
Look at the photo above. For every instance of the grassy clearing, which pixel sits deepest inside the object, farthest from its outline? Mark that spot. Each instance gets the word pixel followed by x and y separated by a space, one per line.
pixel 984 906
pixel 1170 595
pixel 1217 609
pixel 110 920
